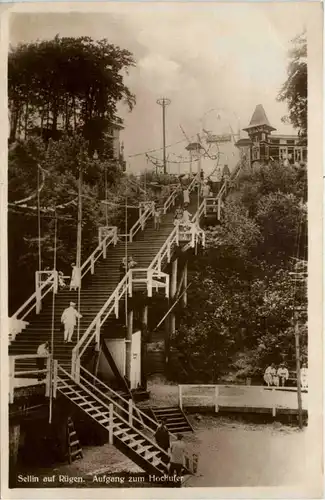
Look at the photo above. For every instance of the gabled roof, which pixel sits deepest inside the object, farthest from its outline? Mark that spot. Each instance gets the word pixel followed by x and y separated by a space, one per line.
pixel 259 118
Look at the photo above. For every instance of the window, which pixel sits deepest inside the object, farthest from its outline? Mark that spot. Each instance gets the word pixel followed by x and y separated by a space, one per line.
pixel 255 153
pixel 263 136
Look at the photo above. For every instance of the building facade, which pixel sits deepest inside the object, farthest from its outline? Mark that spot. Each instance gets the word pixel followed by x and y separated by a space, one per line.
pixel 262 146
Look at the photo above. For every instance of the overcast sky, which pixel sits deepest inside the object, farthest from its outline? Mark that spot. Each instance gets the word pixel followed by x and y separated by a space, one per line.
pixel 204 56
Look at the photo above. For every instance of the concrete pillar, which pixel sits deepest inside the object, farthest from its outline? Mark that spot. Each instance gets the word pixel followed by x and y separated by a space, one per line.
pixel 14 439
pixel 128 345
pixel 184 296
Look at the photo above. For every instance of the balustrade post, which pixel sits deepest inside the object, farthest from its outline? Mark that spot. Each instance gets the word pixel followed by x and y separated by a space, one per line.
pixel 130 283
pixel 219 207
pixel 38 294
pixel 111 423
pixel 97 336
pixel 11 378
pixel 216 397
pixel 55 377
pixel 116 306
pixel 149 283
pixel 167 286
pixel 104 249
pixel 115 235
pixel 92 264
pixel 77 372
pixel 273 403
pixel 130 236
pixel 180 396
pixel 48 376
pixel 130 411
pixel 159 263
pixel 168 252
pixel 56 281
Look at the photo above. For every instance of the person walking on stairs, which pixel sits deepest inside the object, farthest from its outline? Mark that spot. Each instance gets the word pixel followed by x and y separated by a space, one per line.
pixel 75 278
pixel 157 218
pixel 177 456
pixel 69 320
pixel 42 350
pixel 162 436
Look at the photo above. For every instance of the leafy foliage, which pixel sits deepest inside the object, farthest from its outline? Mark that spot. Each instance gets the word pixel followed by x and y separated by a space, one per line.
pixel 294 91
pixel 67 85
pixel 243 295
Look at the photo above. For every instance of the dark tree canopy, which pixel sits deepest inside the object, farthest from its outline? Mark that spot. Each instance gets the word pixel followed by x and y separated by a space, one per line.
pixel 66 85
pixel 294 91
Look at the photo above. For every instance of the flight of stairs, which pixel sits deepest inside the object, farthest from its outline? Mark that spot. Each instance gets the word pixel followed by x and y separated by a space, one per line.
pixel 136 443
pixel 174 418
pixel 96 289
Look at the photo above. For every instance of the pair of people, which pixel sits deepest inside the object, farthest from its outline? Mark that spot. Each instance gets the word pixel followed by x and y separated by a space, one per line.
pixel 182 217
pixel 273 376
pixel 176 448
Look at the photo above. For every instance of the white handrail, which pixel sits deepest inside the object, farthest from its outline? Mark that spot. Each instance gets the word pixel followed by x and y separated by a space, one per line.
pixel 139 224
pixel 114 404
pixel 100 250
pixel 49 280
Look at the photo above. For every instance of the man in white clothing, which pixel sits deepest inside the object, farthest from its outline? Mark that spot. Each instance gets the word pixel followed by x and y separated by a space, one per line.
pixel 283 374
pixel 69 319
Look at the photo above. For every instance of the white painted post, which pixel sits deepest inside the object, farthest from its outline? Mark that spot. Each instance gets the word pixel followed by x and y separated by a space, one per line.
pixel 97 334
pixel 130 283
pixel 168 252
pixel 77 372
pixel 55 281
pixel 38 294
pixel 149 283
pixel 167 286
pixel 92 265
pixel 11 378
pixel 130 411
pixel 115 235
pixel 216 396
pixel 48 377
pixel 180 396
pixel 116 306
pixel 111 423
pixel 219 207
pixel 104 250
pixel 273 403
pixel 55 377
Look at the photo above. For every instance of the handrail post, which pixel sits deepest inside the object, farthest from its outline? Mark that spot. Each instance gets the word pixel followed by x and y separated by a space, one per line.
pixel 159 262
pixel 130 236
pixel 92 264
pixel 115 235
pixel 216 396
pixel 219 207
pixel 97 334
pixel 130 411
pixel 167 286
pixel 180 396
pixel 111 423
pixel 73 363
pixel 56 281
pixel 77 372
pixel 38 293
pixel 55 377
pixel 48 376
pixel 104 249
pixel 11 378
pixel 129 283
pixel 149 282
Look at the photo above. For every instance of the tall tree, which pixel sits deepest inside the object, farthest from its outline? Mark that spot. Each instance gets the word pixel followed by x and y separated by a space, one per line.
pixel 294 91
pixel 67 85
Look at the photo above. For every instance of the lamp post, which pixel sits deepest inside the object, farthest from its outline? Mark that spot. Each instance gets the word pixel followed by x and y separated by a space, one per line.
pixel 164 102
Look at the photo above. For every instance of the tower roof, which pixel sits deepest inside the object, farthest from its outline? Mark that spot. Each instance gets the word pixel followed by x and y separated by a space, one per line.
pixel 259 119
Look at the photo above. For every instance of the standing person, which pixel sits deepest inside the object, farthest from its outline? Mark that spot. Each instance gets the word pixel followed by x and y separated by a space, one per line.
pixel 177 451
pixel 206 192
pixel 69 320
pixel 186 196
pixel 186 217
pixel 157 218
pixel 131 263
pixel 283 374
pixel 269 374
pixel 162 436
pixel 42 350
pixel 122 268
pixel 178 215
pixel 304 376
pixel 75 277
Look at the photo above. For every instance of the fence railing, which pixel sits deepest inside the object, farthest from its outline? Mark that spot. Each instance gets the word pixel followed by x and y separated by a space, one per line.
pixel 107 235
pixel 231 395
pixel 140 223
pixel 42 375
pixel 45 281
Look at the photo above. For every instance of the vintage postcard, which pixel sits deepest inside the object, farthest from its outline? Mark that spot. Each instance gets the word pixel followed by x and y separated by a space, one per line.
pixel 161 250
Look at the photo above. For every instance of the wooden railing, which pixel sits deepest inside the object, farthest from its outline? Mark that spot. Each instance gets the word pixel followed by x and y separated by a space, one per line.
pixel 15 375
pixel 140 223
pixel 107 235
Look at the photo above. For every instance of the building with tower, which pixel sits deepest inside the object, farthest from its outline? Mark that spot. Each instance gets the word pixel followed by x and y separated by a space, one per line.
pixel 262 146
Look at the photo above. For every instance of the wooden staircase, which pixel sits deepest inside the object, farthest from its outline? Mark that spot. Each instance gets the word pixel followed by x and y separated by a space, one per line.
pixel 130 438
pixel 74 448
pixel 95 291
pixel 175 419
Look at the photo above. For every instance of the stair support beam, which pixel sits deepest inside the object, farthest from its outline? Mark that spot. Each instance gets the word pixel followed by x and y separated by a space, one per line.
pixel 128 345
